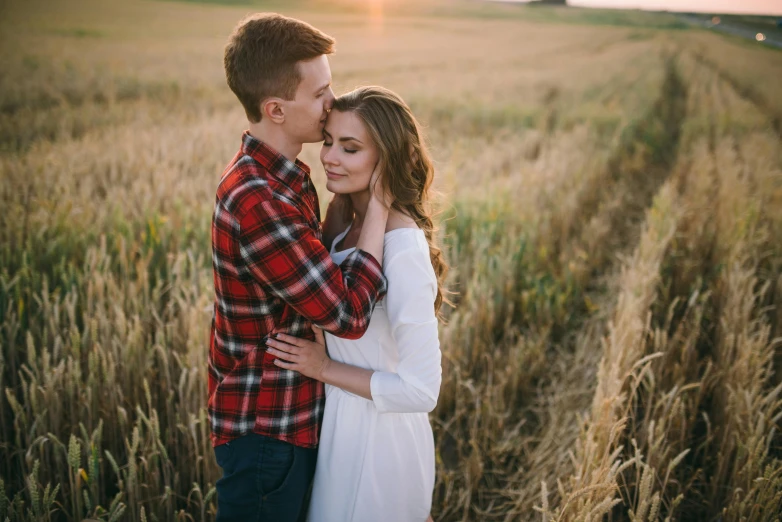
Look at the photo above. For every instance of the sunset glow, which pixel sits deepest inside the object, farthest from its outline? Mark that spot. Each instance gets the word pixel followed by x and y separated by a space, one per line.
pixel 376 15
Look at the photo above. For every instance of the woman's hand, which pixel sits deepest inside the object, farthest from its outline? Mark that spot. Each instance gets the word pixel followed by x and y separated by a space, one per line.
pixel 306 357
pixel 311 360
pixel 377 188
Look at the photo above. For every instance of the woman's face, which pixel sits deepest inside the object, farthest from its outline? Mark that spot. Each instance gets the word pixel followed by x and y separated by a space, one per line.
pixel 349 155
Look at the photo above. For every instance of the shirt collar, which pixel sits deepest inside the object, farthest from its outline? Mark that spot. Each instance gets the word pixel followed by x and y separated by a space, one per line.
pixel 292 173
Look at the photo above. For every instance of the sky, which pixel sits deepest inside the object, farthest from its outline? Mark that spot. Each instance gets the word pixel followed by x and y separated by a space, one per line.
pixel 769 7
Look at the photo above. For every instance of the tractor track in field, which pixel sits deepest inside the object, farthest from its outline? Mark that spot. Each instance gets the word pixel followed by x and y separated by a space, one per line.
pixel 745 92
pixel 656 139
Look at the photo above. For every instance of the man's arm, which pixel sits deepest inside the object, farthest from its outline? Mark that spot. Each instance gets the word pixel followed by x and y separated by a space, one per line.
pixel 414 385
pixel 284 254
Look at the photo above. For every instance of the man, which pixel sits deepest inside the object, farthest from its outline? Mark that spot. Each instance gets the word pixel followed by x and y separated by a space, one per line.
pixel 272 273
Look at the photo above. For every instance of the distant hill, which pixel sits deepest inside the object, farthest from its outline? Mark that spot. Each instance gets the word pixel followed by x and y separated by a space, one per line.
pixel 548 2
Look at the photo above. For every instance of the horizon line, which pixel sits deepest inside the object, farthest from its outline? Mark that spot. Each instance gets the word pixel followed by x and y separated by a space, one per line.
pixel 588 4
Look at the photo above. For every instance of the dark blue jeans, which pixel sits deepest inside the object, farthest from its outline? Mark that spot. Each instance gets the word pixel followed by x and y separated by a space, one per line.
pixel 264 480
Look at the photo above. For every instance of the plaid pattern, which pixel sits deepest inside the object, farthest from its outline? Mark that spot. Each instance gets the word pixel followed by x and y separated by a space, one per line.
pixel 272 274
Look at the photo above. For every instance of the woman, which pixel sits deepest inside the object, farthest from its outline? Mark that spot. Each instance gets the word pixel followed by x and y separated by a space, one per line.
pixel 376 453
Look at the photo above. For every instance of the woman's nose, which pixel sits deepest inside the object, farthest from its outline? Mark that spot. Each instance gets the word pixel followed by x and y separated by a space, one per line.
pixel 330 158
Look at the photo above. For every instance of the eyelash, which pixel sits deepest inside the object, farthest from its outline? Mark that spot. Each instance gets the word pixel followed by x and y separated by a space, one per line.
pixel 349 151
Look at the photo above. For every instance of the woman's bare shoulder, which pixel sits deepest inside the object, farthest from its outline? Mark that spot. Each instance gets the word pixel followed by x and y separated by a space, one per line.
pixel 397 219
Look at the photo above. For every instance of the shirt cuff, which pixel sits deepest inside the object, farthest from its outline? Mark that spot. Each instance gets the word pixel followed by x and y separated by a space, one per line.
pixel 362 266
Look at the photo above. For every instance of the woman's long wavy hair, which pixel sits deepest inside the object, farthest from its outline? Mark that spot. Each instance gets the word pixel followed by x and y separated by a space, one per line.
pixel 407 168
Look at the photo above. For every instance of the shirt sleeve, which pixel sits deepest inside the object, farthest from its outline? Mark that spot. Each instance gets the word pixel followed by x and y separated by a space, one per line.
pixel 284 254
pixel 415 386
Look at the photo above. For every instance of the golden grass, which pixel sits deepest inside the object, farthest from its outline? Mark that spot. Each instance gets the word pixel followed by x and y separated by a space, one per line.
pixel 611 207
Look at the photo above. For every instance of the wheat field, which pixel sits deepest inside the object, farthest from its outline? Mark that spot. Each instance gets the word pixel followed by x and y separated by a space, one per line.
pixel 610 202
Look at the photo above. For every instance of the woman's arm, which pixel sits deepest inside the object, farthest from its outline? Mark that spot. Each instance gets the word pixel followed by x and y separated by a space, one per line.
pixel 414 386
pixel 310 359
pixel 350 378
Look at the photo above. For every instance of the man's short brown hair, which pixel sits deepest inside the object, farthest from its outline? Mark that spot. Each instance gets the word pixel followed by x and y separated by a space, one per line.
pixel 261 55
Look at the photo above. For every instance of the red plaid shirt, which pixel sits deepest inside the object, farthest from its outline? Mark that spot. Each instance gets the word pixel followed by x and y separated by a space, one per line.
pixel 272 274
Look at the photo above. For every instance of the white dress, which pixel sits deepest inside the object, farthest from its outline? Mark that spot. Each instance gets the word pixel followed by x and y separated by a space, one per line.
pixel 376 458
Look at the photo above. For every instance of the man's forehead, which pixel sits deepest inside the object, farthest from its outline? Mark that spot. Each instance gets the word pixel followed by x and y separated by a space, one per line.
pixel 315 71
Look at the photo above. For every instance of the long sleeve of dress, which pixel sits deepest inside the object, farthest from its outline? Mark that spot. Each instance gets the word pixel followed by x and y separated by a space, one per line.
pixel 412 288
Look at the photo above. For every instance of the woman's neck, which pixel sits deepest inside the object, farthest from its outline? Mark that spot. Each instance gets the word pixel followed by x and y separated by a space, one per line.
pixel 360 202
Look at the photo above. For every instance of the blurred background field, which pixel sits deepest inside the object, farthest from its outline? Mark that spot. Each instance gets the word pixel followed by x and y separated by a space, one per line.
pixel 611 204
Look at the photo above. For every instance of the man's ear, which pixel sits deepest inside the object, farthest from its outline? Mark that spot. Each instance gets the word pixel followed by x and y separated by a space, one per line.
pixel 272 108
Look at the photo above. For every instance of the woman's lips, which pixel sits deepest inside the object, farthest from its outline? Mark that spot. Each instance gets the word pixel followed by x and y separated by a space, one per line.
pixel 332 175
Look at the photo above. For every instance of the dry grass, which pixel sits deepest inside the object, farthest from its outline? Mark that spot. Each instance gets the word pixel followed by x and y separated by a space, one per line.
pixel 611 205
